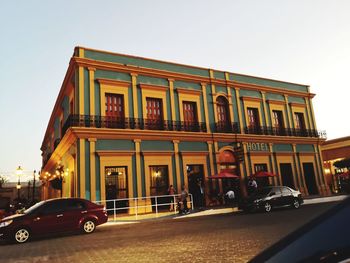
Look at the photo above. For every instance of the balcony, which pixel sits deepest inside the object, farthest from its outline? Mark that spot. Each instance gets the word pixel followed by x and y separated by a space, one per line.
pixel 227 127
pixel 94 121
pixel 265 130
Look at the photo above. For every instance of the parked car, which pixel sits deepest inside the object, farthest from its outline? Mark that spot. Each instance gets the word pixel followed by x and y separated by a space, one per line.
pixel 268 198
pixel 53 216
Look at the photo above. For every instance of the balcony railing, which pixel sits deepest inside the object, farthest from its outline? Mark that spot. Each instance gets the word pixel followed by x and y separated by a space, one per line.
pixel 227 127
pixel 265 130
pixel 131 123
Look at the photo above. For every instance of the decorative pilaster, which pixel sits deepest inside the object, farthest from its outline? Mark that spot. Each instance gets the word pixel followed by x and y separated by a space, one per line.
pixel 82 167
pixel 267 122
pixel 92 90
pixel 205 102
pixel 177 165
pixel 239 109
pixel 92 168
pixel 290 119
pixel 138 167
pixel 134 94
pixel 172 100
pixel 324 189
pixel 81 91
pixel 273 161
pixel 302 186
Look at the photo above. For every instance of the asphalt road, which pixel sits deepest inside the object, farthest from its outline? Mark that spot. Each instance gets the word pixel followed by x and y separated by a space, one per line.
pixel 234 237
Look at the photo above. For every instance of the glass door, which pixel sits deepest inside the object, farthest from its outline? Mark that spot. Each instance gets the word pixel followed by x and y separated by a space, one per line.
pixel 116 188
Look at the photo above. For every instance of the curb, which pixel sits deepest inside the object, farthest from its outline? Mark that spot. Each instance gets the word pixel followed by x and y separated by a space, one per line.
pixel 227 210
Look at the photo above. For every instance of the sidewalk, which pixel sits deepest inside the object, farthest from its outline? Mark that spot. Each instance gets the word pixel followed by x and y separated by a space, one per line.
pixel 210 211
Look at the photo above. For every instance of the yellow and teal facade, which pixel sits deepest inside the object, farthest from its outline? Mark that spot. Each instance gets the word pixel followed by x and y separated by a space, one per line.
pixel 140 125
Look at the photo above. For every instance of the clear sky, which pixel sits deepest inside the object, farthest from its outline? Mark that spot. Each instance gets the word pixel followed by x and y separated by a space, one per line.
pixel 301 41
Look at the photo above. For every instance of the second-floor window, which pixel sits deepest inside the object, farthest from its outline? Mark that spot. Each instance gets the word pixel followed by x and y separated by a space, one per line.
pixel 253 118
pixel 114 105
pixel 190 112
pixel 222 110
pixel 277 119
pixel 299 121
pixel 154 112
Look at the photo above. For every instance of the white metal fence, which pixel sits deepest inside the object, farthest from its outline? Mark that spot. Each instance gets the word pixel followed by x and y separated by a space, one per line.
pixel 144 205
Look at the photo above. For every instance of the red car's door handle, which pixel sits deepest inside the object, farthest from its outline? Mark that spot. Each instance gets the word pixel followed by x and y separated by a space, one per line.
pixel 36 219
pixel 60 215
pixel 83 212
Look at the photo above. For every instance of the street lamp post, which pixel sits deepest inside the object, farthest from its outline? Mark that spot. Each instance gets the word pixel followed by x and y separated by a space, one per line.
pixel 34 174
pixel 19 173
pixel 61 174
pixel 18 186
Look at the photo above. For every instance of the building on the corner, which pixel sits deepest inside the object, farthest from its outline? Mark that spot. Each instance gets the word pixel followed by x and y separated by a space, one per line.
pixel 333 151
pixel 127 126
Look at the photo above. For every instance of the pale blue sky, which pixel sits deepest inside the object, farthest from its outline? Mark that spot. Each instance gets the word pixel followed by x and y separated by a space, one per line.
pixel 306 42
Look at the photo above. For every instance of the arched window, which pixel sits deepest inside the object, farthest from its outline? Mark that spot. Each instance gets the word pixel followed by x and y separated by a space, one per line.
pixel 223 114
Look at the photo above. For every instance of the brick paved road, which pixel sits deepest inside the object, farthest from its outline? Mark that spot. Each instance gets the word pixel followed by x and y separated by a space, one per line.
pixel 234 237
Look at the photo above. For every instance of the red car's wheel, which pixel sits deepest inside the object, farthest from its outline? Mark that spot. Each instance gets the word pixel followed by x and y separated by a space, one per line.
pixel 89 226
pixel 21 235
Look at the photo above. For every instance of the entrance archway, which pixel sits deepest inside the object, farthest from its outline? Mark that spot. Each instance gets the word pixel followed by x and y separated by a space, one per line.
pixel 227 163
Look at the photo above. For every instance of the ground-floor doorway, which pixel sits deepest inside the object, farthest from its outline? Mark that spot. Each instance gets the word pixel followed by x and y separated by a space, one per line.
pixel 116 188
pixel 287 174
pixel 195 177
pixel 310 180
pixel 159 186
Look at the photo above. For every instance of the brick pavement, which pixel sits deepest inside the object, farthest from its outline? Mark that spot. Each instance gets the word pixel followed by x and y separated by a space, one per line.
pixel 232 237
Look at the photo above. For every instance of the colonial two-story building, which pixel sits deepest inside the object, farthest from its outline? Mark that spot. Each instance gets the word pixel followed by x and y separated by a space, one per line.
pixel 127 126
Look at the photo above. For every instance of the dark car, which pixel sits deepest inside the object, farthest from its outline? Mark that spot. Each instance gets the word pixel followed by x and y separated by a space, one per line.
pixel 268 198
pixel 53 216
pixel 325 238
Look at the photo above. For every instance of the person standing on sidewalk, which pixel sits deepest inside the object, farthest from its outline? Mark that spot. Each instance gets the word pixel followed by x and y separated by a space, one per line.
pixel 171 193
pixel 200 194
pixel 184 195
pixel 230 197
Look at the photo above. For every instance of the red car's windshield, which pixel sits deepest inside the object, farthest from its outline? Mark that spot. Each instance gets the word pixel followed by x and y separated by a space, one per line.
pixel 32 208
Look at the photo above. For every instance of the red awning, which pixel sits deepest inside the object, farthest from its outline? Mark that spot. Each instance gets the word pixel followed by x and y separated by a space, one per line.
pixel 263 174
pixel 224 175
pixel 346 174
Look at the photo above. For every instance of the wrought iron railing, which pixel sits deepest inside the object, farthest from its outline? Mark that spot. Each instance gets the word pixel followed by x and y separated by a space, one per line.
pixel 224 127
pixel 266 130
pixel 131 123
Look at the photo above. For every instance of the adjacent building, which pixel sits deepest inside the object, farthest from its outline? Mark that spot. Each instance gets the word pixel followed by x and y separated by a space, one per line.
pixel 127 126
pixel 333 151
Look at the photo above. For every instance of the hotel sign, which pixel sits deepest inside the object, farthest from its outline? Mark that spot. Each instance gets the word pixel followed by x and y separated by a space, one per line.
pixel 257 147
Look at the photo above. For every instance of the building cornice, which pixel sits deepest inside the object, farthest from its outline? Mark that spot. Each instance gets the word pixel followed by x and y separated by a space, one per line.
pixel 115 153
pixel 188 91
pixel 295 104
pixel 130 69
pixel 278 102
pixel 244 98
pixel 153 87
pixel 113 82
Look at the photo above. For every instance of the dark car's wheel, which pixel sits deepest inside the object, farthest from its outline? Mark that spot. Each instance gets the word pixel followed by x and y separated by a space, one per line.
pixel 21 235
pixel 296 203
pixel 267 207
pixel 88 226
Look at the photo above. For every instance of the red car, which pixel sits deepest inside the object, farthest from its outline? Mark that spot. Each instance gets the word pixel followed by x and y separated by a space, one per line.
pixel 53 216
